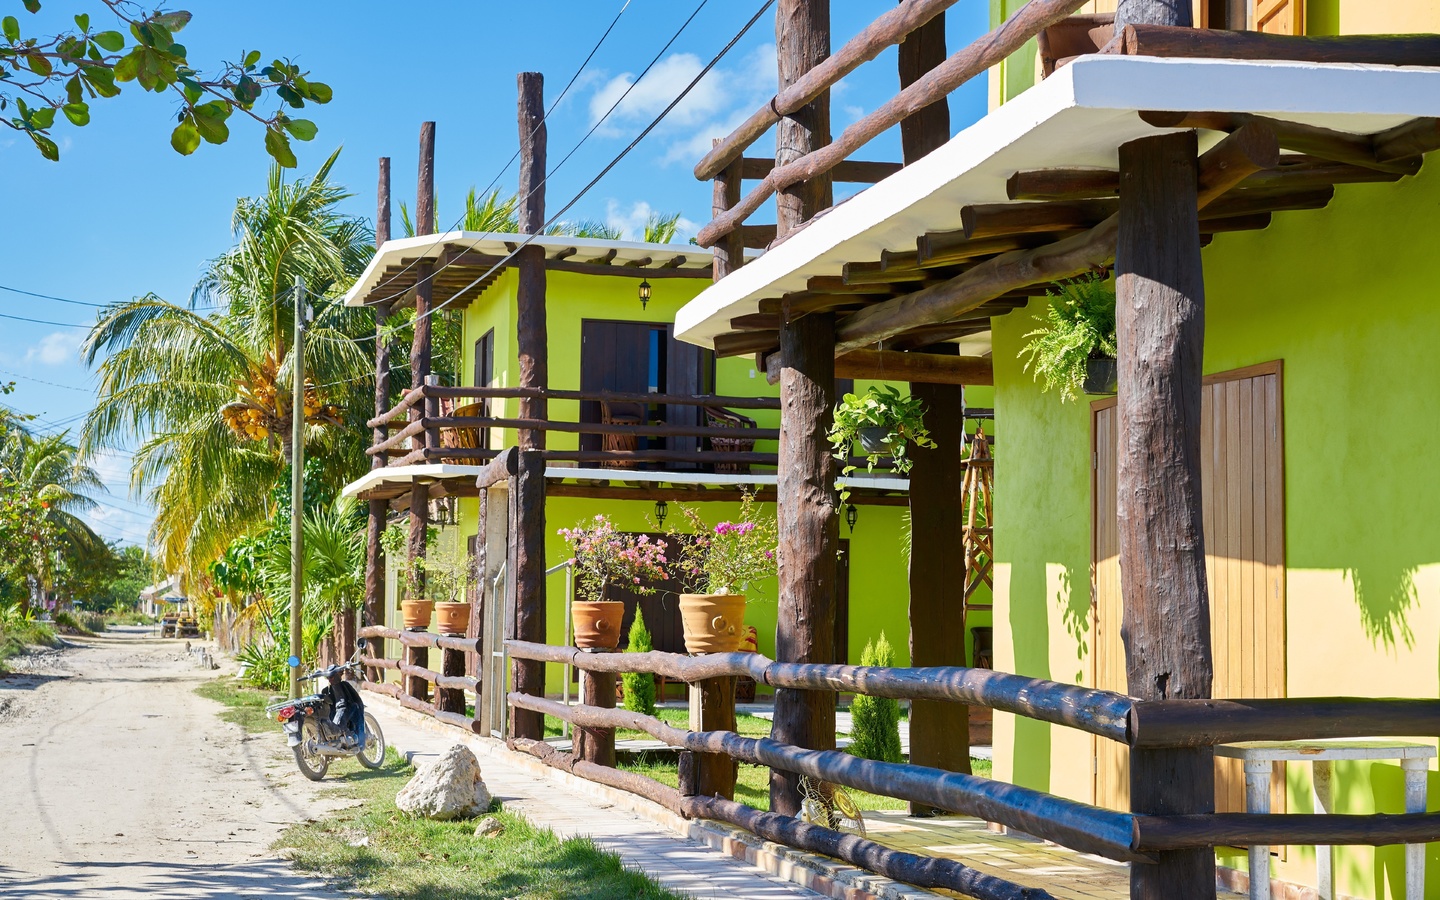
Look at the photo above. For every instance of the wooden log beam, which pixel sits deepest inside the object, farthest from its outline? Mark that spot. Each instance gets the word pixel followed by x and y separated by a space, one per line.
pixel 662 430
pixel 756 237
pixel 729 252
pixel 877 273
pixel 1311 140
pixel 993 220
pixel 527 581
pixel 1063 184
pixel 836 284
pixel 937 249
pixel 1160 315
pixel 1104 713
pixel 1073 824
pixel 615 396
pixel 712 708
pixel 596 745
pixel 908 868
pixel 530 201
pixel 1408 141
pixel 1251 148
pixel 499 469
pixel 1252 203
pixel 939 82
pixel 1253 222
pixel 916 368
pixel 1203 723
pixel 1159 833
pixel 887 30
pixel 416 670
pixel 1200 43
pixel 452 682
pixel 802 42
pixel 739 343
pixel 851 171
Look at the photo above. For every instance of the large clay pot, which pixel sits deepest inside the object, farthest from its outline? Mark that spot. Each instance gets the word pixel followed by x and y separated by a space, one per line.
pixel 416 613
pixel 597 623
pixel 452 618
pixel 714 623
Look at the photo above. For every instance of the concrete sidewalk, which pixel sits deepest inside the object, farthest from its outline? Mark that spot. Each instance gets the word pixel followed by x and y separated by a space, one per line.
pixel 570 810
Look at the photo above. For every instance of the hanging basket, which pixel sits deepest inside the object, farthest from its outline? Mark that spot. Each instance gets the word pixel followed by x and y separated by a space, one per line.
pixel 597 623
pixel 875 440
pixel 714 623
pixel 1101 376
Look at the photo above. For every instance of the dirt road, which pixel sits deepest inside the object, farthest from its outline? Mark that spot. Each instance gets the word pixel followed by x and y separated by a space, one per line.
pixel 116 780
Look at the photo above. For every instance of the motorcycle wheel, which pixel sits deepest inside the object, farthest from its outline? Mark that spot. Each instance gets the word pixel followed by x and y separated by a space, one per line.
pixel 312 763
pixel 372 753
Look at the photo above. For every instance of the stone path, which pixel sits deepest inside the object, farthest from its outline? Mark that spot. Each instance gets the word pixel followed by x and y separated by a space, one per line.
pixel 679 864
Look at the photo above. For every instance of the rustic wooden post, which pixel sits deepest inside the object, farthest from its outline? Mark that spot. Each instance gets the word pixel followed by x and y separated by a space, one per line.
pixel 809 530
pixel 596 745
pixel 375 525
pixel 729 250
pixel 1160 313
pixel 527 493
pixel 527 562
pixel 452 662
pixel 939 732
pixel 712 708
pixel 416 686
pixel 420 347
pixel 1153 12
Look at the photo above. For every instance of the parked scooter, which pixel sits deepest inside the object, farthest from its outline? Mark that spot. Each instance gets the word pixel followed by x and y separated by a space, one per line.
pixel 316 740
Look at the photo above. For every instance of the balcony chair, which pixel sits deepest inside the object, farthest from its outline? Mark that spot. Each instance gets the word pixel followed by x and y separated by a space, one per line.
pixel 464 437
pixel 621 413
pixel 719 417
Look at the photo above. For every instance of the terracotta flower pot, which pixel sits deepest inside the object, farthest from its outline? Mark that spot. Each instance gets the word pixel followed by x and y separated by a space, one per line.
pixel 597 623
pixel 452 618
pixel 416 613
pixel 714 623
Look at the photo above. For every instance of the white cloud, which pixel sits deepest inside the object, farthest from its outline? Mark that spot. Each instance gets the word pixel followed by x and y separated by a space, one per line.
pixel 631 222
pixel 54 349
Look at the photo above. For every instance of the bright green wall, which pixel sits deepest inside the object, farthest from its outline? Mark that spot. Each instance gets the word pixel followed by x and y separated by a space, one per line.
pixel 1345 297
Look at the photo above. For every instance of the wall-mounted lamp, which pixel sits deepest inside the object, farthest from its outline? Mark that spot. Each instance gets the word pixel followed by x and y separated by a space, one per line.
pixel 644 293
pixel 851 516
pixel 662 509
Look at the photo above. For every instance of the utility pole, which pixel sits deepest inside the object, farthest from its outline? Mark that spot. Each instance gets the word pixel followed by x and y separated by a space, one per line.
pixel 297 489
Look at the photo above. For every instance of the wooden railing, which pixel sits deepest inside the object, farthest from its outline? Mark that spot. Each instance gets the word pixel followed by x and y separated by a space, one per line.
pixel 417 429
pixel 438 694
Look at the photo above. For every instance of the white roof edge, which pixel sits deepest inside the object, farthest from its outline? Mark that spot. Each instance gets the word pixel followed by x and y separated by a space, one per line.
pixel 430 246
pixel 1100 93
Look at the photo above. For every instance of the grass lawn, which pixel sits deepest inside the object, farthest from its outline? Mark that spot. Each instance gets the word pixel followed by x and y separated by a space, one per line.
pixel 374 848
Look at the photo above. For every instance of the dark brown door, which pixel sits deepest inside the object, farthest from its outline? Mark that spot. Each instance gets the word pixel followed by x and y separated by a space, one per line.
pixel 625 357
pixel 485 377
pixel 842 604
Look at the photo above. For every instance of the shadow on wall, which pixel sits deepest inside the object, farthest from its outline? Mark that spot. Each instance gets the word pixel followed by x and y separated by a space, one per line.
pixel 1030 636
pixel 1075 612
pixel 1384 595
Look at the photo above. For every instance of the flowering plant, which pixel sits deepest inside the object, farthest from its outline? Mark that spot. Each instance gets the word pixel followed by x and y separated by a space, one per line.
pixel 603 556
pixel 723 559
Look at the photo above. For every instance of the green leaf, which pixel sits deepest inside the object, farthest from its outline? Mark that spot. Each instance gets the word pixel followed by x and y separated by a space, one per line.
pixel 288 94
pixel 319 91
pixel 173 21
pixel 102 81
pixel 192 90
pixel 11 26
pixel 252 58
pixel 278 146
pixel 73 92
pixel 42 118
pixel 39 65
pixel 82 21
pixel 32 5
pixel 247 91
pixel 78 113
pixel 301 129
pixel 111 41
pixel 185 138
pixel 213 129
pixel 47 146
pixel 128 68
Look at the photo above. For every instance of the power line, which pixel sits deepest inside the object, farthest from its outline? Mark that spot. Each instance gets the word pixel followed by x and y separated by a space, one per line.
pixel 654 60
pixel 44 322
pixel 538 126
pixel 68 387
pixel 14 290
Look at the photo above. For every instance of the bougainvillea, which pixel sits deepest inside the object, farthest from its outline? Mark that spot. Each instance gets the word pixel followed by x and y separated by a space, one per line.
pixel 603 556
pixel 726 557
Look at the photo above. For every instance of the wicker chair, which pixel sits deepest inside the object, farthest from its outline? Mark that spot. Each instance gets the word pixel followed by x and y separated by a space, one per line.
pixel 621 413
pixel 719 417
pixel 464 438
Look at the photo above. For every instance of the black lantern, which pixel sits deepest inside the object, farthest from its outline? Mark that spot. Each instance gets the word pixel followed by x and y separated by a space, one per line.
pixel 644 293
pixel 662 509
pixel 851 515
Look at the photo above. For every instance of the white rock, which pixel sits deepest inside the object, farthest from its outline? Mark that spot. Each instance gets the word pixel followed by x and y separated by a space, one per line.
pixel 449 788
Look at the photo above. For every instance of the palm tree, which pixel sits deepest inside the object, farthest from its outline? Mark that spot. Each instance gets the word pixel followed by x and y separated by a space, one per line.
pixel 660 228
pixel 205 389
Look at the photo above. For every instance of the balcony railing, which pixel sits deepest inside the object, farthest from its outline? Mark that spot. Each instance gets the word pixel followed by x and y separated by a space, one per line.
pixel 468 425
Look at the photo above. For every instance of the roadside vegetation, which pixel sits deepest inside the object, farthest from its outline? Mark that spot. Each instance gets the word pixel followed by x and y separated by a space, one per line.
pixel 19 631
pixel 374 848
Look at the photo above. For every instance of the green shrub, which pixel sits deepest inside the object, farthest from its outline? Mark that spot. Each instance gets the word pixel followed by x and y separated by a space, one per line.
pixel 875 733
pixel 639 687
pixel 93 622
pixel 68 622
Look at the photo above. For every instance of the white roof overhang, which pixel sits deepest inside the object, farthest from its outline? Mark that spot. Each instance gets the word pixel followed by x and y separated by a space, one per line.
pixel 1077 118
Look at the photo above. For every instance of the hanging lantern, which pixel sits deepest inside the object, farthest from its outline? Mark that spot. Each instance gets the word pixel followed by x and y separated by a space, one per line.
pixel 662 509
pixel 644 293
pixel 851 516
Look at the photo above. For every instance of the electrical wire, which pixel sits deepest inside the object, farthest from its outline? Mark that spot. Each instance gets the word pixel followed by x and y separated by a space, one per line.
pixel 68 387
pixel 14 290
pixel 533 131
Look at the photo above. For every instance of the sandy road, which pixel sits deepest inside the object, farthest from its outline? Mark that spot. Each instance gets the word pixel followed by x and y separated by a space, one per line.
pixel 118 781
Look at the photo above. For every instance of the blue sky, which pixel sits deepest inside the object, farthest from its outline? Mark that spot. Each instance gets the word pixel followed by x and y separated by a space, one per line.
pixel 122 214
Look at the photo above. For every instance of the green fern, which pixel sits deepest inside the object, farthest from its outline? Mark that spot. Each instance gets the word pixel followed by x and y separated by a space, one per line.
pixel 1079 325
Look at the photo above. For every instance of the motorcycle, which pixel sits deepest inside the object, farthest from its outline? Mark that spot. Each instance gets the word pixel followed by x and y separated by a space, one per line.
pixel 315 740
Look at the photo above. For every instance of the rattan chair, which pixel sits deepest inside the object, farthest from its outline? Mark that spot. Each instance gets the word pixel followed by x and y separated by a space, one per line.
pixel 719 417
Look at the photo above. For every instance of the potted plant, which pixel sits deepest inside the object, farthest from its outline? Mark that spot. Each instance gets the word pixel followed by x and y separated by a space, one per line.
pixel 884 423
pixel 1074 350
pixel 721 561
pixel 449 577
pixel 415 611
pixel 604 558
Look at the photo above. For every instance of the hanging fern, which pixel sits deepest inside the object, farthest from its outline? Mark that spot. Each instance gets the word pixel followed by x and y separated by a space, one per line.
pixel 1079 326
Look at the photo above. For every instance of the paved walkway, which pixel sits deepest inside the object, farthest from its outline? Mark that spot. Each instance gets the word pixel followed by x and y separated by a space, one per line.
pixel 679 864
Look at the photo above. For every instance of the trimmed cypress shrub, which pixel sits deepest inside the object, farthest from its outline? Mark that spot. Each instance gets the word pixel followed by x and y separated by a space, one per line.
pixel 876 730
pixel 639 687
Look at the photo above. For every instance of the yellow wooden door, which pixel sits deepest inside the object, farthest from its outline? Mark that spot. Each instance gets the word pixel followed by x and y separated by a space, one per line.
pixel 1280 16
pixel 1243 497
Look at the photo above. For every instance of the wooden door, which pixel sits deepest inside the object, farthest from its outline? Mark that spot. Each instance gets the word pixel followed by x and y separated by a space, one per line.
pixel 627 357
pixel 484 377
pixel 1280 16
pixel 1243 498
